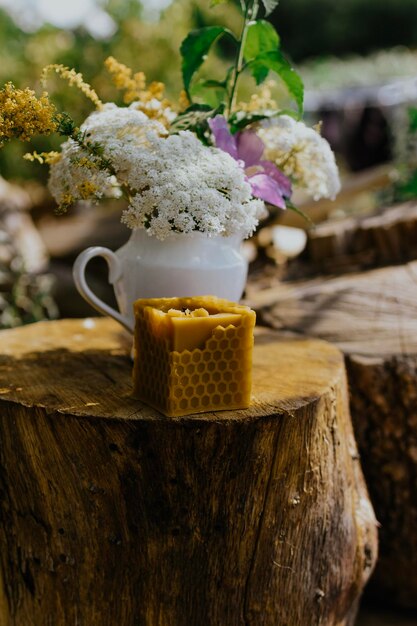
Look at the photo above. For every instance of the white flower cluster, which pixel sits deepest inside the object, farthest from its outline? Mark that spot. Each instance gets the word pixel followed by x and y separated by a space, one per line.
pixel 76 175
pixel 302 154
pixel 154 108
pixel 122 133
pixel 175 183
pixel 183 186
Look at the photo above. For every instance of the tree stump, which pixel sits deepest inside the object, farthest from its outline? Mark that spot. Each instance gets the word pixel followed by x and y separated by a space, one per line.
pixel 113 514
pixel 357 243
pixel 372 318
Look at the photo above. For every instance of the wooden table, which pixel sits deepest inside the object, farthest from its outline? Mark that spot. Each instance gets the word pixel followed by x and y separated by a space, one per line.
pixel 114 514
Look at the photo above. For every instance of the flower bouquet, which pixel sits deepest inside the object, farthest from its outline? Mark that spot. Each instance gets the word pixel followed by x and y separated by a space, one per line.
pixel 202 168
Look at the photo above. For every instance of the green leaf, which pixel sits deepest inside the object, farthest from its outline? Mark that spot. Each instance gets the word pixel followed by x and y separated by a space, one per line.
pixel 270 5
pixel 239 120
pixel 214 3
pixel 195 48
pixel 276 62
pixel 210 91
pixel 261 37
pixel 218 84
pixel 289 112
pixel 195 119
pixel 66 125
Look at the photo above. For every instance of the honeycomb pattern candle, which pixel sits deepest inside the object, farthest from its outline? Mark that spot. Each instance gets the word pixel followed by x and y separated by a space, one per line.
pixel 193 354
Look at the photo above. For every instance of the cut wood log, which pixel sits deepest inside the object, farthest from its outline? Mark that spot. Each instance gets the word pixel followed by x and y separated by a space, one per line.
pixel 369 181
pixel 351 244
pixel 372 318
pixel 114 514
pixel 17 223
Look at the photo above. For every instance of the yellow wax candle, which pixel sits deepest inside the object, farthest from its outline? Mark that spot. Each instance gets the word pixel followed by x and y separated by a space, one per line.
pixel 193 354
pixel 189 332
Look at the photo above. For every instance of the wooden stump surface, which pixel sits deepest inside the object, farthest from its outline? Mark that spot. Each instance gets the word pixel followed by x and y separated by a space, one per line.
pixel 66 366
pixel 113 514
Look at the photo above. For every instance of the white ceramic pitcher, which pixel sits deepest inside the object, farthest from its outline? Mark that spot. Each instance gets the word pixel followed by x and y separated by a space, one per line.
pixel 191 264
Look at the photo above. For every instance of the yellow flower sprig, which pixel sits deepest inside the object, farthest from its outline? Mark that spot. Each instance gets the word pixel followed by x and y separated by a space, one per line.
pixel 262 101
pixel 66 203
pixel 23 114
pixel 123 79
pixel 42 157
pixel 87 189
pixel 134 86
pixel 74 79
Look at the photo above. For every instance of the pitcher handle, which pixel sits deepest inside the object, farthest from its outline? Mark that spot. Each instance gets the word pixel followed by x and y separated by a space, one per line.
pixel 115 272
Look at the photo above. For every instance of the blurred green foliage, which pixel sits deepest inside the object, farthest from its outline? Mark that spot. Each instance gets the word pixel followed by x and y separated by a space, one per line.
pixel 24 297
pixel 339 27
pixel 405 187
pixel 146 46
pixel 306 28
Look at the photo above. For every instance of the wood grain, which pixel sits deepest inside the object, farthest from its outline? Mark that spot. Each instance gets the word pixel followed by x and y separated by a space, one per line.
pixel 369 314
pixel 356 243
pixel 372 318
pixel 114 514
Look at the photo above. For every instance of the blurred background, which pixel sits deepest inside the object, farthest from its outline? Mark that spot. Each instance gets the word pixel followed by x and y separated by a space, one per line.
pixel 358 59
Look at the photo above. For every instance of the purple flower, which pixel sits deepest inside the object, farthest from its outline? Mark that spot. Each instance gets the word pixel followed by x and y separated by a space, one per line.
pixel 267 182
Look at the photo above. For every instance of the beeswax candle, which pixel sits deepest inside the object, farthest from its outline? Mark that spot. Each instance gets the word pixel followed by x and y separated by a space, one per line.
pixel 193 354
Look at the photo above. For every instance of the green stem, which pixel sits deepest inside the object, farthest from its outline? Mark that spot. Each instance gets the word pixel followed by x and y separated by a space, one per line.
pixel 251 12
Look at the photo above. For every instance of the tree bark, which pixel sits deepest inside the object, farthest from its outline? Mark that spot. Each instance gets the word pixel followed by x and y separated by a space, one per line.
pixel 372 318
pixel 113 514
pixel 353 244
